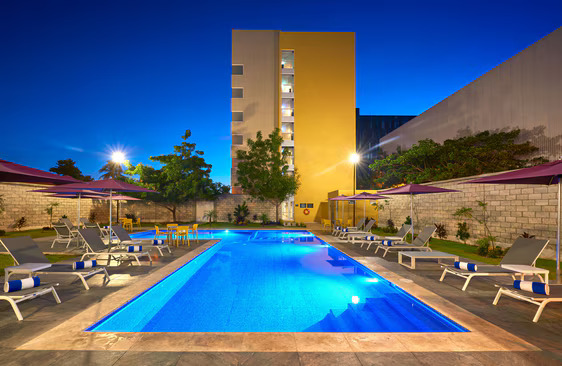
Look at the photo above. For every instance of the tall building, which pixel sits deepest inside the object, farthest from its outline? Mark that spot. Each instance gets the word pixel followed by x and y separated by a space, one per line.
pixel 523 92
pixel 304 84
pixel 370 129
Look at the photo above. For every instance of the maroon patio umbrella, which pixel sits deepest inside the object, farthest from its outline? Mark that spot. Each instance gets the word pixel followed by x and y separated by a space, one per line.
pixel 412 189
pixel 545 174
pixel 12 172
pixel 110 186
pixel 364 196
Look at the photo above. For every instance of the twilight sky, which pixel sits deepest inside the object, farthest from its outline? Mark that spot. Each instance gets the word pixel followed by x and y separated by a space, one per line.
pixel 79 78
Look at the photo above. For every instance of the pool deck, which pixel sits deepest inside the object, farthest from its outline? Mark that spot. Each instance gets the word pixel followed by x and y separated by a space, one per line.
pixel 52 334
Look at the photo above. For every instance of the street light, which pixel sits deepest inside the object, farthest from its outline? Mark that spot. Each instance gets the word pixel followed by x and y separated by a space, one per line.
pixel 354 159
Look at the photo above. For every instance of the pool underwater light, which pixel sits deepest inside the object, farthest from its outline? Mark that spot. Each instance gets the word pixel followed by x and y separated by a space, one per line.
pixel 355 299
pixel 372 280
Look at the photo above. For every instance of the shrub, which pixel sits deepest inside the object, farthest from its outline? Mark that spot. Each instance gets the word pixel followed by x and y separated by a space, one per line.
pixel 64 217
pixel 390 227
pixel 462 231
pixel 441 231
pixel 2 232
pixel 229 217
pixel 131 216
pixel 255 217
pixel 408 220
pixel 20 223
pixel 47 228
pixel 92 216
pixel 264 219
pixel 211 215
pixel 526 235
pixel 240 213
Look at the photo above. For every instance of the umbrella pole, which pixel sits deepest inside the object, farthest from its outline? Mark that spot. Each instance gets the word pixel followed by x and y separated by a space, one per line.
pixel 365 209
pixel 78 217
pixel 558 234
pixel 412 213
pixel 110 219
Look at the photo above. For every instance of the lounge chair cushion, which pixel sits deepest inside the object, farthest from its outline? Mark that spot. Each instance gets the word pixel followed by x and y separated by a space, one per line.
pixel 536 287
pixel 345 230
pixel 158 242
pixel 84 264
pixel 370 238
pixel 388 243
pixel 466 266
pixel 134 248
pixel 17 285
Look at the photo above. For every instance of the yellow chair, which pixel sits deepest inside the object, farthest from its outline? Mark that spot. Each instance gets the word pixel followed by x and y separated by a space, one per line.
pixel 349 223
pixel 326 224
pixel 128 224
pixel 195 231
pixel 182 235
pixel 171 230
pixel 138 222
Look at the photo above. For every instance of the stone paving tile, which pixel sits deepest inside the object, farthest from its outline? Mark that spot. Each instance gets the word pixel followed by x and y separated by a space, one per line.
pixel 328 358
pixel 88 358
pixel 148 359
pixel 273 359
pixel 213 358
pixel 446 358
pixel 29 358
pixel 387 358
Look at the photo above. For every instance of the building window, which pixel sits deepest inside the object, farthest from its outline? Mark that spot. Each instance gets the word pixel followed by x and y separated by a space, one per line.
pixel 237 69
pixel 237 116
pixel 237 92
pixel 237 139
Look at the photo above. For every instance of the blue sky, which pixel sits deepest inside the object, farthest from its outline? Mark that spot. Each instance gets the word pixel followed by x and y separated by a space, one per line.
pixel 79 78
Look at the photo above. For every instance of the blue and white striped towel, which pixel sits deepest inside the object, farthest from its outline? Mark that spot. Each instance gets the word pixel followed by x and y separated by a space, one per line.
pixel 536 287
pixel 466 266
pixel 85 264
pixel 134 248
pixel 16 285
pixel 388 243
pixel 158 242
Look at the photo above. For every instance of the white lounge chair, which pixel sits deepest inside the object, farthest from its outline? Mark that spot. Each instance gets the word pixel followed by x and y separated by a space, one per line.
pixel 347 234
pixel 125 239
pixel 399 238
pixel 421 242
pixel 15 297
pixel 523 253
pixel 98 249
pixel 539 299
pixel 64 234
pixel 24 251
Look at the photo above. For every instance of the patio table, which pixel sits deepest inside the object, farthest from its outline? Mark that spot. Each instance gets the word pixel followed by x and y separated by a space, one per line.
pixel 426 255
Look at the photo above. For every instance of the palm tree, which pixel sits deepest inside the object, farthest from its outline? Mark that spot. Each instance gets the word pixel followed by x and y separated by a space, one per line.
pixel 111 170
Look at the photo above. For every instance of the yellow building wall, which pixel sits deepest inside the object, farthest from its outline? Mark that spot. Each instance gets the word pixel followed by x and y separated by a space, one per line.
pixel 324 126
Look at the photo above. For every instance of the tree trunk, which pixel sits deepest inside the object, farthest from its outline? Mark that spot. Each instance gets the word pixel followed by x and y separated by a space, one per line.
pixel 277 212
pixel 174 214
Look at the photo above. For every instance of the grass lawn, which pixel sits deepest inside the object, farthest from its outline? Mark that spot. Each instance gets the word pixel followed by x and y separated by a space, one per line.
pixel 35 233
pixel 7 261
pixel 470 252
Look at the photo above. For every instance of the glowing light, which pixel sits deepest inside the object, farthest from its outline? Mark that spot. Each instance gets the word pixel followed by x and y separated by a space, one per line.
pixel 354 158
pixel 355 299
pixel 118 157
pixel 372 280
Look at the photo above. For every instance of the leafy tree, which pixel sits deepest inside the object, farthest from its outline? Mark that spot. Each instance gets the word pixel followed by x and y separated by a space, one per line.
pixel 184 176
pixel 484 152
pixel 112 170
pixel 49 210
pixel 68 167
pixel 263 170
pixel 212 216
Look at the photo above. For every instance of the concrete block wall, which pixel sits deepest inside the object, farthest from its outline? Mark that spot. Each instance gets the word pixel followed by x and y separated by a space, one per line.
pixel 226 204
pixel 512 210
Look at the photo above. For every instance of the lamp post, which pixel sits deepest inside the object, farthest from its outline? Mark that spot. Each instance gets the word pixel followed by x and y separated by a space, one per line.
pixel 354 159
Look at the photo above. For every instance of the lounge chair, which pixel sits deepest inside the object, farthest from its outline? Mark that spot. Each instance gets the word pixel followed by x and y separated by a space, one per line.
pixel 541 299
pixel 64 235
pixel 348 233
pixel 15 297
pixel 24 251
pixel 68 223
pixel 125 239
pixel 524 252
pixel 421 242
pixel 97 248
pixel 399 238
pixel 338 229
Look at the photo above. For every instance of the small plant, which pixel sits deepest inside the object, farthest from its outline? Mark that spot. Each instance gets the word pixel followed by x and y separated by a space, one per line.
pixel 240 213
pixel 441 231
pixel 462 231
pixel 49 210
pixel 390 225
pixel 47 228
pixel 486 249
pixel 408 220
pixel 229 217
pixel 255 217
pixel 92 217
pixel 264 219
pixel 2 207
pixel 212 216
pixel 131 216
pixel 64 217
pixel 2 232
pixel 526 235
pixel 20 223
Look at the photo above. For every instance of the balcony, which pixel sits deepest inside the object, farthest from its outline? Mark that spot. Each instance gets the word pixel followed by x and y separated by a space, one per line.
pixel 288 135
pixel 288 143
pixel 287 112
pixel 287 119
pixel 287 71
pixel 288 95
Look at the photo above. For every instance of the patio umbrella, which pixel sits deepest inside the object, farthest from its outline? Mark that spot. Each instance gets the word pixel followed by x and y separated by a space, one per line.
pixel 110 186
pixel 364 196
pixel 545 174
pixel 12 172
pixel 412 189
pixel 62 192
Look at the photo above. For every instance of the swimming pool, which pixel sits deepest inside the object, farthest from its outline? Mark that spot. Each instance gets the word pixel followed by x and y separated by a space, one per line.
pixel 274 281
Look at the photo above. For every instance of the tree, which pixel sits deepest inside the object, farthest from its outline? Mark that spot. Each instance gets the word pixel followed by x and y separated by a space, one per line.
pixel 263 170
pixel 49 210
pixel 427 161
pixel 68 167
pixel 2 207
pixel 184 176
pixel 112 170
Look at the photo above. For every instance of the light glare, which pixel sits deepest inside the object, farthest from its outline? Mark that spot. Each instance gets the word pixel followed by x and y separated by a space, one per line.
pixel 118 157
pixel 354 158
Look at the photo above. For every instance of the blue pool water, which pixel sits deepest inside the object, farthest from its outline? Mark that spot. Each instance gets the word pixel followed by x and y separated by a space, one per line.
pixel 274 281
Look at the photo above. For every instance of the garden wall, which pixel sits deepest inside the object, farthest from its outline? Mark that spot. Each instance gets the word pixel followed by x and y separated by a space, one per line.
pixel 512 210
